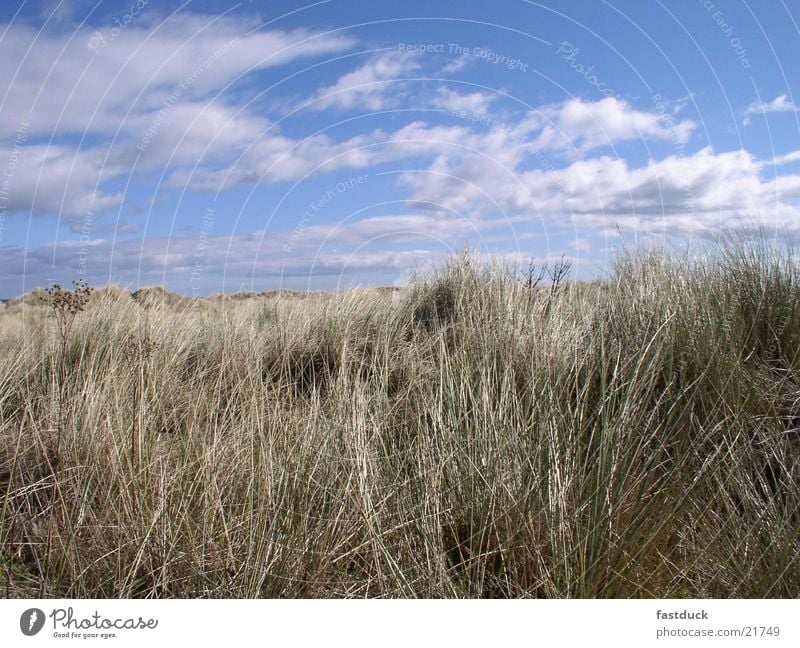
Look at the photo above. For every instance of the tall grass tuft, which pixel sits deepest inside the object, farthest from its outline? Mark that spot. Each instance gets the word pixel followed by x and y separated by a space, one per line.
pixel 484 433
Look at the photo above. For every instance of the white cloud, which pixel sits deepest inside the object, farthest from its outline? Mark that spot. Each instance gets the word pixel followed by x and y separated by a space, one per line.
pixel 135 88
pixel 56 180
pixel 472 173
pixel 149 85
pixel 273 157
pixel 581 244
pixel 372 86
pixel 390 229
pixel 346 248
pixel 781 103
pixel 62 13
pixel 793 156
pixel 192 131
pixel 72 82
pixel 586 125
pixel 704 192
pixel 458 151
pixel 457 64
pixel 453 101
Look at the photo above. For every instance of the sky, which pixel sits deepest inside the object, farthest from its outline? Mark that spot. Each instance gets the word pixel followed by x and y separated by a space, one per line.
pixel 210 146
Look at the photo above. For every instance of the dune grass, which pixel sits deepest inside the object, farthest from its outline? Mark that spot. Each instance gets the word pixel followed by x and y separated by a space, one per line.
pixel 472 435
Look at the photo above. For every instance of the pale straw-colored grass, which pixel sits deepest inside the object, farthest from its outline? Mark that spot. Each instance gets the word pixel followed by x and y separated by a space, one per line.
pixel 467 437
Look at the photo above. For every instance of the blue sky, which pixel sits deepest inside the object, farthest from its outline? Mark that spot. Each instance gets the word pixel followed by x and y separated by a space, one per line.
pixel 209 146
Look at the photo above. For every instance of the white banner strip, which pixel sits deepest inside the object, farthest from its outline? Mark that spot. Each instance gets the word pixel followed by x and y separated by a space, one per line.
pixel 399 623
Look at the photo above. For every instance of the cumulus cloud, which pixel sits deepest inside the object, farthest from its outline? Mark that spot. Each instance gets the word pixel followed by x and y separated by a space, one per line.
pixel 56 180
pixel 389 229
pixel 274 157
pixel 460 151
pixel 457 64
pixel 372 86
pixel 150 89
pixel 90 227
pixel 346 247
pixel 701 193
pixel 192 131
pixel 454 101
pixel 587 125
pixel 787 158
pixel 500 169
pixel 160 95
pixel 781 103
pixel 84 81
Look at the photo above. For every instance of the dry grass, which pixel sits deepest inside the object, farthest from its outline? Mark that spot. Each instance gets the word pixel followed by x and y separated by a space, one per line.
pixel 469 436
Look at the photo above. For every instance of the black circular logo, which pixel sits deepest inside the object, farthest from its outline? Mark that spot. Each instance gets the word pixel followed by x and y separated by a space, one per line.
pixel 31 621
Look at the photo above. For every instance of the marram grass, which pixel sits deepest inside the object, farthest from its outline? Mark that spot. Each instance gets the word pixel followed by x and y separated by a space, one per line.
pixel 472 435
